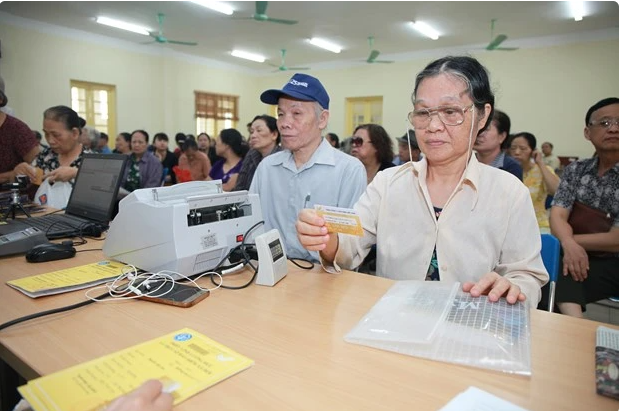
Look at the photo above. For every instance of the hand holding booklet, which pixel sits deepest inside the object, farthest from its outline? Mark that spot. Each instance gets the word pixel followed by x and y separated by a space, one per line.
pixel 185 361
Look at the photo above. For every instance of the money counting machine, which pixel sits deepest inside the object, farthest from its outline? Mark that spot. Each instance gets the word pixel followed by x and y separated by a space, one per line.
pixel 186 228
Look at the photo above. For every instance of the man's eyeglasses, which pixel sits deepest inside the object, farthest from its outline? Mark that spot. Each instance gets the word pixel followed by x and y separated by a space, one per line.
pixel 605 123
pixel 357 141
pixel 449 115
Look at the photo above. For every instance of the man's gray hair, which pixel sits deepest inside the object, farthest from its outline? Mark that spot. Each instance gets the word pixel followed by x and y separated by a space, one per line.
pixel 94 135
pixel 318 109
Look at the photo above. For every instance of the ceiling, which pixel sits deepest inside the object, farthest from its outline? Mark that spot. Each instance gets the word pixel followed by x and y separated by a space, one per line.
pixel 463 26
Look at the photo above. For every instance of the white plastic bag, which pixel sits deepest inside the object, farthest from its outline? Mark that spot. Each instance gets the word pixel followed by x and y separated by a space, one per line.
pixel 435 320
pixel 53 195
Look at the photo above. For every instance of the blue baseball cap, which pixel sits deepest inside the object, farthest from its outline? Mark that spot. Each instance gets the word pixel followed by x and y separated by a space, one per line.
pixel 300 86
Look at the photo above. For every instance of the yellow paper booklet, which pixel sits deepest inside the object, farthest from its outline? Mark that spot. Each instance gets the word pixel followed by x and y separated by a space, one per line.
pixel 70 279
pixel 185 361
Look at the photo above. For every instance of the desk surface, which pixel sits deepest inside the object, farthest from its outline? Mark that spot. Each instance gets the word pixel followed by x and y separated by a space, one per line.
pixel 294 333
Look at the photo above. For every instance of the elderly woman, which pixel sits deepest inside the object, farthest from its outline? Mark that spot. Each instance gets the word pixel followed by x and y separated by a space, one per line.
pixel 143 170
pixel 539 178
pixel 194 160
pixel 264 140
pixel 62 159
pixel 372 145
pixel 122 144
pixel 446 217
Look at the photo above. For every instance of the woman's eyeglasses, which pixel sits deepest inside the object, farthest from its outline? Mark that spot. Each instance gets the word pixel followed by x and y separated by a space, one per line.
pixel 357 141
pixel 449 115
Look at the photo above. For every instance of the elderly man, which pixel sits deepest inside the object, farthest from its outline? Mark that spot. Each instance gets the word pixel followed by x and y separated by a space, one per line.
pixel 90 138
pixel 308 170
pixel 584 216
pixel 404 143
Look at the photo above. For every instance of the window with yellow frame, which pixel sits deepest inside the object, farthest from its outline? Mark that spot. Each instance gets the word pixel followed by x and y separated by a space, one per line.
pixel 96 103
pixel 363 110
pixel 215 112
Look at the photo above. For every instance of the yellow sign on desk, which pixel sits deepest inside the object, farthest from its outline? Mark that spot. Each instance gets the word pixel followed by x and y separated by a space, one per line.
pixel 68 279
pixel 186 362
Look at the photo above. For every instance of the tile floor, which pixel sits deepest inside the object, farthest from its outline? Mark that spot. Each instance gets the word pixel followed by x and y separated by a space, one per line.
pixel 605 311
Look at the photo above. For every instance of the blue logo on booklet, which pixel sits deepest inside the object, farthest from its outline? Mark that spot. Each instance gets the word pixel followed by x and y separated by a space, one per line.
pixel 182 337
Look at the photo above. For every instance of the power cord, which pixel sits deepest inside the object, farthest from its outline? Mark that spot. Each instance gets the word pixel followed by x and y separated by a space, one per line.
pixel 48 312
pixel 243 248
pixel 246 260
pixel 303 267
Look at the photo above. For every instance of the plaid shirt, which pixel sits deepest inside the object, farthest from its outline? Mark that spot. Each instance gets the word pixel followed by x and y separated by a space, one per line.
pixel 580 182
pixel 250 162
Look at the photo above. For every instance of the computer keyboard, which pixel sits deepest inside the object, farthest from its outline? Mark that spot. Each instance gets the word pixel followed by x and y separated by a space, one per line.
pixel 56 226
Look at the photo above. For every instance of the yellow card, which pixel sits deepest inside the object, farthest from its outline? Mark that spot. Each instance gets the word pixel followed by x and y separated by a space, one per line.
pixel 38 180
pixel 185 361
pixel 340 220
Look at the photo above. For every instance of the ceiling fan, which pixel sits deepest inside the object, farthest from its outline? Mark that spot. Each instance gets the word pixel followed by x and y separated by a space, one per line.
pixel 372 58
pixel 495 42
pixel 261 15
pixel 160 38
pixel 282 66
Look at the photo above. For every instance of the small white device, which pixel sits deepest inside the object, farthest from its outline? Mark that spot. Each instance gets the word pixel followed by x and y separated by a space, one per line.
pixel 272 265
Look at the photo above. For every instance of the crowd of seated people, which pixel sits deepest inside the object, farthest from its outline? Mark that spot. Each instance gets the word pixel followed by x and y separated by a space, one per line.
pixel 303 168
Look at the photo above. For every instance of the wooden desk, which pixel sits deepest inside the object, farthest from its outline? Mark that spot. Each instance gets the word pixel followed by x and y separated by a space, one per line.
pixel 294 332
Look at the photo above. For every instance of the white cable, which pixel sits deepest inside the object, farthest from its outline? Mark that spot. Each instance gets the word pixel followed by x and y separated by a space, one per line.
pixel 130 290
pixel 233 269
pixel 471 133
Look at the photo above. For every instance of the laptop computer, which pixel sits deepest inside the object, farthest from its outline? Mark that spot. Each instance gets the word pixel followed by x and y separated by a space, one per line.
pixel 90 205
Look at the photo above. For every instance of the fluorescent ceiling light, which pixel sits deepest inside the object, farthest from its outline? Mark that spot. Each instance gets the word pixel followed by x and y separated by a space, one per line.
pixel 425 29
pixel 248 56
pixel 325 45
pixel 216 6
pixel 577 9
pixel 122 25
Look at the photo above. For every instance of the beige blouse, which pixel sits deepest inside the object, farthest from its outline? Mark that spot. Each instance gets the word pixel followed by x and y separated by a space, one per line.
pixel 488 224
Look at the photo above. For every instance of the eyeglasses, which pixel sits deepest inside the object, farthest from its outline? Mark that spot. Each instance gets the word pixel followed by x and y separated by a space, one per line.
pixel 357 141
pixel 449 115
pixel 605 123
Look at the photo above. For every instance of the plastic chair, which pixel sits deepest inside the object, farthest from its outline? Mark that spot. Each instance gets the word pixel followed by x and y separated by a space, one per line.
pixel 550 254
pixel 164 174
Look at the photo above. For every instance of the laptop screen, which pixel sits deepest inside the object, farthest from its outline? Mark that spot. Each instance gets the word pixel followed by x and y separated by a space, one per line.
pixel 96 186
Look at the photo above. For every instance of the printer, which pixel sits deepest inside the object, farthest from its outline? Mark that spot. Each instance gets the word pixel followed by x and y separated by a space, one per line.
pixel 187 228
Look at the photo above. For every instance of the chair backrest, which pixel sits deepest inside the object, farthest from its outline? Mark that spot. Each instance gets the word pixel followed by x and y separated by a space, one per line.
pixel 550 254
pixel 164 174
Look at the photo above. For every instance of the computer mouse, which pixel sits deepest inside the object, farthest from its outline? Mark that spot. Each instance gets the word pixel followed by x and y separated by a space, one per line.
pixel 50 252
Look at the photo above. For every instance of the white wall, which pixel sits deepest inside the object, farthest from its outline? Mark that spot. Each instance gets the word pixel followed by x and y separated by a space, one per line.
pixel 154 92
pixel 545 91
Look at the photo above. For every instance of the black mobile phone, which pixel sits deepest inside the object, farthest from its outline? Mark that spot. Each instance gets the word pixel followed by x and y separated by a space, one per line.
pixel 171 293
